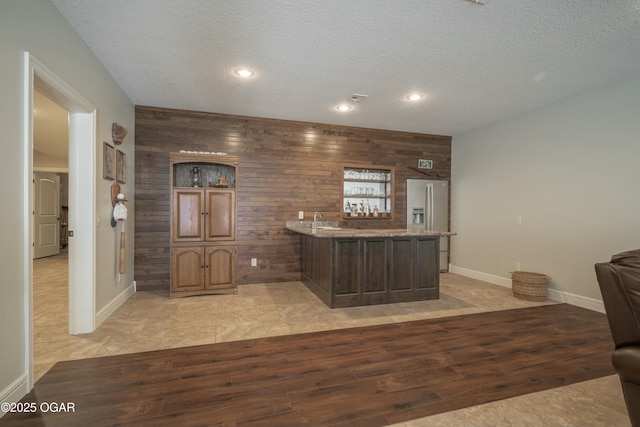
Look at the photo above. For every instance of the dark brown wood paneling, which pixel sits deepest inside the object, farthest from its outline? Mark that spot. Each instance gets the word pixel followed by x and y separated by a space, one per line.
pixel 284 167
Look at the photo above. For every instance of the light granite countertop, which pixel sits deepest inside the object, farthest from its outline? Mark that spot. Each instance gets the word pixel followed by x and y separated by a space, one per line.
pixel 330 229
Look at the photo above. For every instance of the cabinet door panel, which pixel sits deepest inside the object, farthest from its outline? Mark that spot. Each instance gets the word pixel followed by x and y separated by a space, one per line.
pixel 428 256
pixel 347 267
pixel 375 266
pixel 187 272
pixel 402 259
pixel 221 215
pixel 186 215
pixel 221 266
pixel 322 271
pixel 307 256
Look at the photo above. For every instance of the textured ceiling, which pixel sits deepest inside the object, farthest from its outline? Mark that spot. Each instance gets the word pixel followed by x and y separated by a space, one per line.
pixel 476 64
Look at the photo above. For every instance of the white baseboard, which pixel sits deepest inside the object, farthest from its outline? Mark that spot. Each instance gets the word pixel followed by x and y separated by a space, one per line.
pixel 554 294
pixel 16 391
pixel 110 308
pixel 577 300
pixel 496 280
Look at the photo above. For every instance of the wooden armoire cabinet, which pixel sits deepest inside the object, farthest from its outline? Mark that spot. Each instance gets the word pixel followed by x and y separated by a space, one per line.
pixel 203 224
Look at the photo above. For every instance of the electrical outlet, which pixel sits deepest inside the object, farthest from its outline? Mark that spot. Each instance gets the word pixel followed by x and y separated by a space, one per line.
pixel 518 220
pixel 300 214
pixel 517 266
pixel 254 262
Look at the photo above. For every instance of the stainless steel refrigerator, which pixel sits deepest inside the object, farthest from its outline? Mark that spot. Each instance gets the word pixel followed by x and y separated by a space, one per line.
pixel 428 207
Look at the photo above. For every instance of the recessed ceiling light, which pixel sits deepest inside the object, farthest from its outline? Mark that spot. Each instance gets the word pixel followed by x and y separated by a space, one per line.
pixel 244 72
pixel 343 107
pixel 415 97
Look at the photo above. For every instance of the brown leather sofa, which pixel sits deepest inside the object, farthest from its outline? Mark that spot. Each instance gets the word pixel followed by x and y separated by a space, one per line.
pixel 619 282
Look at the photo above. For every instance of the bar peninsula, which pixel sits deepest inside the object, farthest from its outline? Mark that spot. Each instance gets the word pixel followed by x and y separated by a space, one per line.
pixel 348 267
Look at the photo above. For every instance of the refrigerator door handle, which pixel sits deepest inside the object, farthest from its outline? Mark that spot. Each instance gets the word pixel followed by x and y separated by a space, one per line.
pixel 429 207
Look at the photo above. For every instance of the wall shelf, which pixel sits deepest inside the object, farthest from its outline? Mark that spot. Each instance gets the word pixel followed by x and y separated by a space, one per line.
pixel 367 192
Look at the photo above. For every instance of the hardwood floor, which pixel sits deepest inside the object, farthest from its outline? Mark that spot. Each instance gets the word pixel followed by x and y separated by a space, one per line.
pixel 364 376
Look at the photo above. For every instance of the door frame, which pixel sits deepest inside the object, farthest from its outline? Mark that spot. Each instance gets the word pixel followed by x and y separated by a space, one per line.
pixel 82 172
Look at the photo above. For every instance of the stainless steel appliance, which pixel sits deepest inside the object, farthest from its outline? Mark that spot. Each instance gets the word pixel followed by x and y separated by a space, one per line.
pixel 428 207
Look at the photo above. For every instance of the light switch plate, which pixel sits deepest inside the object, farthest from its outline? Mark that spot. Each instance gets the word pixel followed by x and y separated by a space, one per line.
pixel 300 214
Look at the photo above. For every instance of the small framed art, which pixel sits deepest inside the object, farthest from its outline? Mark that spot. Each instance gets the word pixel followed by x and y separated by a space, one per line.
pixel 121 167
pixel 108 161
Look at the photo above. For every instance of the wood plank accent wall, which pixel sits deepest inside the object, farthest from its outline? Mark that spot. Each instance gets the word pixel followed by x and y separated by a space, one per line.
pixel 284 167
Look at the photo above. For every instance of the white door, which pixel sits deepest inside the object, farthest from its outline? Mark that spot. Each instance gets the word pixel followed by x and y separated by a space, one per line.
pixel 47 215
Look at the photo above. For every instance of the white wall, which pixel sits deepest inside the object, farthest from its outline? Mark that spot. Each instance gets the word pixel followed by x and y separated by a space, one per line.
pixel 44 162
pixel 571 170
pixel 37 27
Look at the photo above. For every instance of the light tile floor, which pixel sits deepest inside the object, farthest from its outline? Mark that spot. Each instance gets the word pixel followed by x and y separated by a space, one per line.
pixel 151 321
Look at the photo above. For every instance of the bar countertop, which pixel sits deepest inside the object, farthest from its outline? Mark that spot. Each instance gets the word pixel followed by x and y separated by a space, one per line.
pixel 330 229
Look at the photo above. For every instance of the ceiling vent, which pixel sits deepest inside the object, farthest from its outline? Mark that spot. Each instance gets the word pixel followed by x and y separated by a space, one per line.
pixel 358 97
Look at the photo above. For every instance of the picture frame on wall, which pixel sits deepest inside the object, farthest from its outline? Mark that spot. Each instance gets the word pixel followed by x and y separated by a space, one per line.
pixel 108 161
pixel 121 167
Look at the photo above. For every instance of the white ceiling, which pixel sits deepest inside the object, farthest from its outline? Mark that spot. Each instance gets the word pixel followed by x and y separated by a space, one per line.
pixel 477 64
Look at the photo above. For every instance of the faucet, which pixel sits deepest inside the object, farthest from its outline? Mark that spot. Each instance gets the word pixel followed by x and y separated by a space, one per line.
pixel 314 227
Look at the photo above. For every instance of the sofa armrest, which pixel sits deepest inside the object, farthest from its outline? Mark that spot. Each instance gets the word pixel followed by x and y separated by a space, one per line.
pixel 626 361
pixel 623 325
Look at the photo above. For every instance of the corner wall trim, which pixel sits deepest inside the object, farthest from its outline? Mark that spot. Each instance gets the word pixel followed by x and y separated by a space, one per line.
pixel 16 391
pixel 114 304
pixel 554 294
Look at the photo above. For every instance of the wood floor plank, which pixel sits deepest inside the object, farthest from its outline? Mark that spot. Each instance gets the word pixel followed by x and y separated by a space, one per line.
pixel 367 376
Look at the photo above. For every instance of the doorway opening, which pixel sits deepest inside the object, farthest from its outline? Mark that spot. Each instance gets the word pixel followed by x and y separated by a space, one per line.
pixel 50 255
pixel 81 214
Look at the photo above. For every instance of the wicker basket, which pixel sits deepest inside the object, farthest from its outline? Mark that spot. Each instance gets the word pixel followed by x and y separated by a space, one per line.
pixel 529 286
